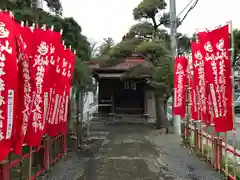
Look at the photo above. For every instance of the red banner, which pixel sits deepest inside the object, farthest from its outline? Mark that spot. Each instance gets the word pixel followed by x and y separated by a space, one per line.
pixel 25 87
pixel 51 76
pixel 39 69
pixel 216 45
pixel 199 80
pixel 64 69
pixel 57 93
pixel 35 81
pixel 192 92
pixel 180 82
pixel 52 86
pixel 49 81
pixel 193 100
pixel 8 83
pixel 68 77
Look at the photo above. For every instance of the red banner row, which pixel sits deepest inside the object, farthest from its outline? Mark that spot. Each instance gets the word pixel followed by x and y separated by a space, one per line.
pixel 209 78
pixel 35 80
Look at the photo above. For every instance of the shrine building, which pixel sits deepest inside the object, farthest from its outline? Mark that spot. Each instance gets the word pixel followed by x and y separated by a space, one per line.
pixel 121 96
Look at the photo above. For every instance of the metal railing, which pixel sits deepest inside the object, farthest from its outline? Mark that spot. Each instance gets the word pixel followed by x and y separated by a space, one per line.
pixel 213 149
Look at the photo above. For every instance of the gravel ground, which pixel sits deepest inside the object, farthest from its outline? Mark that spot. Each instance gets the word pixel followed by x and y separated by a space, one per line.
pixel 184 165
pixel 132 152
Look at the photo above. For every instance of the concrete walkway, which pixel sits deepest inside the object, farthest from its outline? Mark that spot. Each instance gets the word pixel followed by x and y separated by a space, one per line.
pixel 132 152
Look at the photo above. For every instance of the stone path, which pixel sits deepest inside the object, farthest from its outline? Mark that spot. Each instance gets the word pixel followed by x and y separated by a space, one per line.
pixel 184 165
pixel 133 152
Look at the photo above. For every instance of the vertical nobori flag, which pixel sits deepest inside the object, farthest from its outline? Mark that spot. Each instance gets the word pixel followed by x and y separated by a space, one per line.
pixel 193 99
pixel 70 67
pixel 8 82
pixel 200 83
pixel 39 70
pixel 49 80
pixel 24 38
pixel 53 99
pixel 216 44
pixel 180 82
pixel 62 83
pixel 58 90
pixel 193 94
pixel 192 91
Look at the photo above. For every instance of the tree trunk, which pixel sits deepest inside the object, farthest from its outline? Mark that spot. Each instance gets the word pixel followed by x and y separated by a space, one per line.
pixel 81 103
pixel 165 108
pixel 73 93
pixel 71 108
pixel 160 114
pixel 77 117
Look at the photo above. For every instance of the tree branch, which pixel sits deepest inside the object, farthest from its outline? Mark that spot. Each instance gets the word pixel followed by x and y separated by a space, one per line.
pixel 155 25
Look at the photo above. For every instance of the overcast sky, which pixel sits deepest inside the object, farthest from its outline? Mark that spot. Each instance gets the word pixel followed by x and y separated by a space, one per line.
pixel 112 18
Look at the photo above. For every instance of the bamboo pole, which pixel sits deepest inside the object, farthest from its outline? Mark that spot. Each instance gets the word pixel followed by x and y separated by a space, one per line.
pixel 207 151
pixel 30 163
pixel 201 125
pixel 189 103
pixel 233 113
pixel 207 130
pixel 226 156
pixel 201 138
pixel 195 123
pixel 233 106
pixel 213 159
pixel 30 148
pixel 188 114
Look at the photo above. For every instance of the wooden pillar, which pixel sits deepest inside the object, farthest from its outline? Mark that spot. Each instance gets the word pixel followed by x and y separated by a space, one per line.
pixel 113 108
pixel 146 115
pixel 113 101
pixel 4 170
pixel 47 153
pixel 145 102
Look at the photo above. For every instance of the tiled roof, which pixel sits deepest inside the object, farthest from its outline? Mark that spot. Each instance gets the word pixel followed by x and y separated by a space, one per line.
pixel 126 64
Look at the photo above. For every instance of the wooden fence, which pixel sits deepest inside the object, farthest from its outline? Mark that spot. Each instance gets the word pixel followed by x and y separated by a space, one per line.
pixel 34 161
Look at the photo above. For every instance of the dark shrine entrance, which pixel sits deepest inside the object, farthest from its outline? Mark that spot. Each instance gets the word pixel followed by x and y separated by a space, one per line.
pixel 118 94
pixel 129 98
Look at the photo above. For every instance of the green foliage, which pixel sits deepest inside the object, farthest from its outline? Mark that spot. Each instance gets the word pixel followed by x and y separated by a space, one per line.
pixel 184 44
pixel 71 33
pixel 83 75
pixel 148 9
pixel 154 10
pixel 237 40
pixel 5 4
pixel 142 30
pixel 163 76
pixel 236 34
pixel 71 30
pixel 124 49
pixel 118 52
pixel 55 6
pixel 154 50
pixel 107 44
pixel 153 15
pixel 93 49
pixel 141 70
pixel 149 41
pixel 236 62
